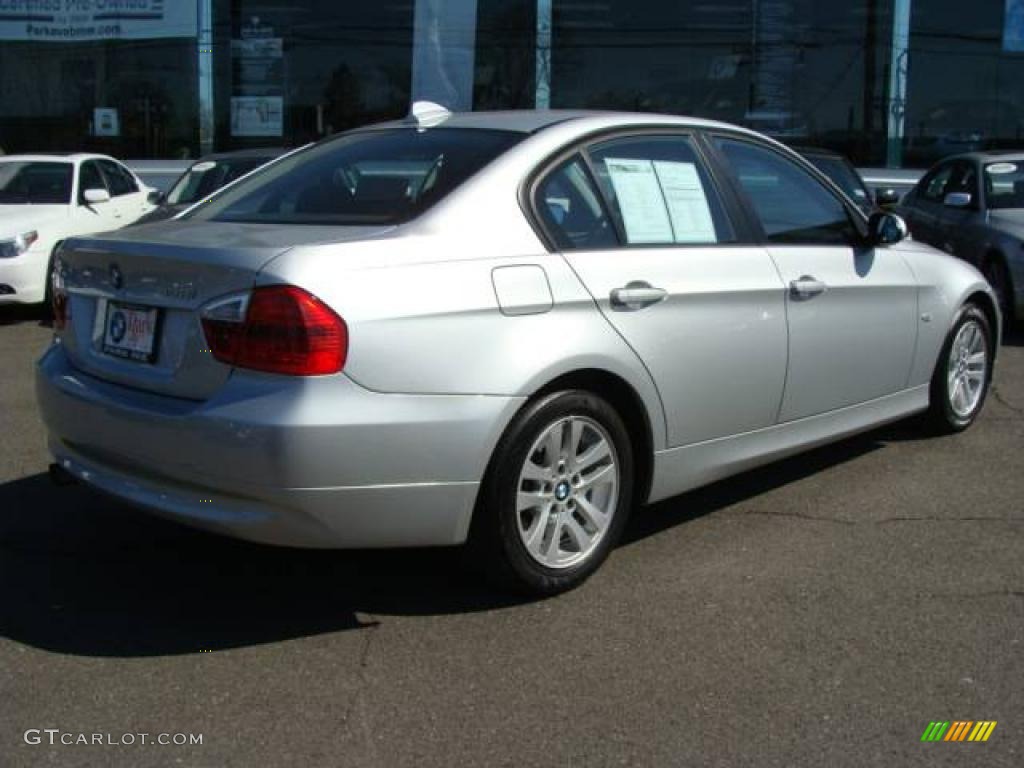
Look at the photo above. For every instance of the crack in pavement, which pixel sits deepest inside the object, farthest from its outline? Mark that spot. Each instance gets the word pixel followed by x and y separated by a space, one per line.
pixel 1001 399
pixel 881 521
pixel 357 707
pixel 974 595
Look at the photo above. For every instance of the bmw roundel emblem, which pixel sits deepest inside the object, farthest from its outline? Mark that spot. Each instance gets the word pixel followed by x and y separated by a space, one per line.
pixel 116 277
pixel 118 327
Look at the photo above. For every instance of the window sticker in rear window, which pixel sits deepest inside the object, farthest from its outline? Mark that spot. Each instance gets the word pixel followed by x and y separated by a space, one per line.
pixel 661 201
pixel 644 213
pixel 687 202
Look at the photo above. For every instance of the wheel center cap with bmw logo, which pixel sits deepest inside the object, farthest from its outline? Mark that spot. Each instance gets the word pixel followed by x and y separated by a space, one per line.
pixel 118 327
pixel 562 491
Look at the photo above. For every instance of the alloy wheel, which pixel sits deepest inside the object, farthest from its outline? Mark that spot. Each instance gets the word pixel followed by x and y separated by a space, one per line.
pixel 567 492
pixel 967 369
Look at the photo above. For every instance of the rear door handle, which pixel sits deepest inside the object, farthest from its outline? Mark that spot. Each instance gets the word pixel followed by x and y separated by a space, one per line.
pixel 807 287
pixel 636 295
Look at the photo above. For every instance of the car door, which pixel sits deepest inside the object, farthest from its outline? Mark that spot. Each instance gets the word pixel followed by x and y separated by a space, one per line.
pixel 90 218
pixel 644 225
pixel 851 308
pixel 925 207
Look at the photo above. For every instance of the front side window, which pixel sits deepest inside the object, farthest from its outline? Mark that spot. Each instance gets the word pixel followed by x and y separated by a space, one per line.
pixel 206 177
pixel 29 183
pixel 366 177
pixel 933 186
pixel 571 209
pixel 120 181
pixel 1004 185
pixel 792 206
pixel 965 181
pixel 660 192
pixel 843 175
pixel 89 178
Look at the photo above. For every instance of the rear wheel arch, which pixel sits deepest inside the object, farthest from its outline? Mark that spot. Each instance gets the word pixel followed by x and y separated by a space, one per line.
pixel 627 402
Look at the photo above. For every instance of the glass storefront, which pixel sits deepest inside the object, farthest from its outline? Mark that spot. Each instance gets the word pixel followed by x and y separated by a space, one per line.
pixel 897 82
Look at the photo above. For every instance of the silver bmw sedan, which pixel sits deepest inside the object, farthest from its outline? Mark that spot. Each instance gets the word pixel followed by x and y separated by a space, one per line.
pixel 501 329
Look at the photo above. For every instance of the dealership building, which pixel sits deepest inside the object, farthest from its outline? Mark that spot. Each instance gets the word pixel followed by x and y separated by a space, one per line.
pixel 896 83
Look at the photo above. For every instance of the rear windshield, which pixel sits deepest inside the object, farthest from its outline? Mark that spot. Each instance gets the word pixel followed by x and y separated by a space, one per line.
pixel 44 183
pixel 368 177
pixel 206 177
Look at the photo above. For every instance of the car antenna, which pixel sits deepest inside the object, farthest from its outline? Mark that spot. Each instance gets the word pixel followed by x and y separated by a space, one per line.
pixel 427 114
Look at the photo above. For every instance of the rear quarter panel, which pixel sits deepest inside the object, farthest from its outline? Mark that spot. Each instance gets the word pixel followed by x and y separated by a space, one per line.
pixel 435 326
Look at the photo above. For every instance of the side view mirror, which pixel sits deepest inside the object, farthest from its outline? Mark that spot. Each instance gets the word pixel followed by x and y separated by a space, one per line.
pixel 93 196
pixel 887 229
pixel 886 196
pixel 155 197
pixel 957 200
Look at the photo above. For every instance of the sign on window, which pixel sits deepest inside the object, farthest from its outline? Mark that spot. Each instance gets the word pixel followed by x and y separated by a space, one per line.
pixel 65 22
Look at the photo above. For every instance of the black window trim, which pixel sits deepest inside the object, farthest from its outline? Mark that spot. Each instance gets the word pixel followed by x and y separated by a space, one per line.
pixel 857 217
pixel 744 234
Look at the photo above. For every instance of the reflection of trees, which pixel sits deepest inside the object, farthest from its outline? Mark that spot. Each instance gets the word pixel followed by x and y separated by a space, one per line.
pixel 505 58
pixel 343 97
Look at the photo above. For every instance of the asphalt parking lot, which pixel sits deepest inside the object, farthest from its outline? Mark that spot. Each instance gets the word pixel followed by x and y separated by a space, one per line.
pixel 817 612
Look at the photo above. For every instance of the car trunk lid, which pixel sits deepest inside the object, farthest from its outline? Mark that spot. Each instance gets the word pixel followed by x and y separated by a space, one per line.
pixel 159 277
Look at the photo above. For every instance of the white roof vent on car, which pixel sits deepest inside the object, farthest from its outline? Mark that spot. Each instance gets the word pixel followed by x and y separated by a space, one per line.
pixel 427 114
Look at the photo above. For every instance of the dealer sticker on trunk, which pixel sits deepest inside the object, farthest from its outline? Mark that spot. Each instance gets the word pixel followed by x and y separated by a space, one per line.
pixel 130 332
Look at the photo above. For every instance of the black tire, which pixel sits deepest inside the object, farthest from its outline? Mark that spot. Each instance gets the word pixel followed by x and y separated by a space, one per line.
pixel 497 546
pixel 998 277
pixel 943 416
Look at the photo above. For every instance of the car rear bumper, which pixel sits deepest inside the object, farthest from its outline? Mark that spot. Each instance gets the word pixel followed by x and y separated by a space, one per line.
pixel 317 462
pixel 24 278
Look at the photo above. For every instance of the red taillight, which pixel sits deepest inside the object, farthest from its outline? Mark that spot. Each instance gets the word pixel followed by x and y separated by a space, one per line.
pixel 285 330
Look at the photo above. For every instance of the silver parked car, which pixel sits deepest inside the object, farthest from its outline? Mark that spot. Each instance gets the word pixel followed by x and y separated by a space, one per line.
pixel 502 328
pixel 973 207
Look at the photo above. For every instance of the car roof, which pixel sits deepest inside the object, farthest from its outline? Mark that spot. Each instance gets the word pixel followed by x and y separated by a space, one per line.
pixel 990 156
pixel 69 157
pixel 245 154
pixel 533 120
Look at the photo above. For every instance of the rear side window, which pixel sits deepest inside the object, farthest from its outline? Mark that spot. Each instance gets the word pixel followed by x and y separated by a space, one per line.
pixel 660 192
pixel 571 209
pixel 791 204
pixel 369 177
pixel 38 183
pixel 1004 185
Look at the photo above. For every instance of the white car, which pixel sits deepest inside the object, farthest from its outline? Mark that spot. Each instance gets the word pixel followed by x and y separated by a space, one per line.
pixel 45 199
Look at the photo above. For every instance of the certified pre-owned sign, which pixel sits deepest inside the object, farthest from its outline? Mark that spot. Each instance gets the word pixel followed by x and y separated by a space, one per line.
pixel 74 20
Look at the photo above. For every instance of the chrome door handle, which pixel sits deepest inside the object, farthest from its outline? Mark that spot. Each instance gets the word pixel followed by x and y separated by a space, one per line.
pixel 807 287
pixel 636 295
